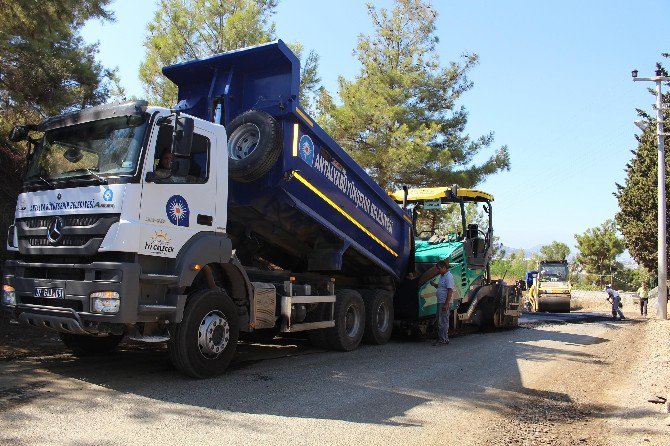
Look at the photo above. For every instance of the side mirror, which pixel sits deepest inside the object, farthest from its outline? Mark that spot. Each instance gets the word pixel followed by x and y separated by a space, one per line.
pixel 182 136
pixel 19 133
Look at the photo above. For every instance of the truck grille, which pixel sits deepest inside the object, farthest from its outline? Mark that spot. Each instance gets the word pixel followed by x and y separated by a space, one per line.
pixel 37 272
pixel 81 234
pixel 71 220
pixel 68 240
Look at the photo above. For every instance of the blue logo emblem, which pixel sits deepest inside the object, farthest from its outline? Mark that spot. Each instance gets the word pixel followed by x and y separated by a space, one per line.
pixel 177 210
pixel 306 149
pixel 107 195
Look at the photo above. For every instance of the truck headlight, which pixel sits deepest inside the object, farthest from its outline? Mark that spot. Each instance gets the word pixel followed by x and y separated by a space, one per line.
pixel 106 302
pixel 8 295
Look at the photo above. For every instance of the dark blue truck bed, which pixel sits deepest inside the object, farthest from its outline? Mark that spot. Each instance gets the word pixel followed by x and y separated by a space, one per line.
pixel 316 209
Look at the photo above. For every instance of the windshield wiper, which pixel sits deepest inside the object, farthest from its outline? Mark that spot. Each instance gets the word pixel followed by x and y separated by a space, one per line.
pixel 93 174
pixel 49 183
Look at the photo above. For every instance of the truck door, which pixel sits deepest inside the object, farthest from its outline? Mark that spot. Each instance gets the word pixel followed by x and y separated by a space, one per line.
pixel 176 206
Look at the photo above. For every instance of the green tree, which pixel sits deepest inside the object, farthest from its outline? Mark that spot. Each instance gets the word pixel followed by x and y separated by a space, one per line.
pixel 400 117
pixel 638 197
pixel 45 68
pixel 555 251
pixel 598 248
pixel 183 30
pixel 512 267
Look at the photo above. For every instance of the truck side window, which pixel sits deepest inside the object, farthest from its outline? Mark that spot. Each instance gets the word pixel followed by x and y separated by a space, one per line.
pixel 199 160
pixel 199 170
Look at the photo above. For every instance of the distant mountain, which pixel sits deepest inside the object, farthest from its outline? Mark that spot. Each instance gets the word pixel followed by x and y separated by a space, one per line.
pixel 527 252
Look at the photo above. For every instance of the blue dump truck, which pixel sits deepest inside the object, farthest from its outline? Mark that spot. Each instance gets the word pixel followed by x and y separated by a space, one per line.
pixel 231 215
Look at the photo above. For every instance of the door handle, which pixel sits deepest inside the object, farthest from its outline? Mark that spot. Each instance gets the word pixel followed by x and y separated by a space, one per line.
pixel 205 220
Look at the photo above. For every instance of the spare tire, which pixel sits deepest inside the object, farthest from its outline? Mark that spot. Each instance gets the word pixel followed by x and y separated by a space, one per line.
pixel 254 145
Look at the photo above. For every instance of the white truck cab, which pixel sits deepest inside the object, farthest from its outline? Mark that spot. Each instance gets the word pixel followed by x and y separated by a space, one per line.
pixel 108 242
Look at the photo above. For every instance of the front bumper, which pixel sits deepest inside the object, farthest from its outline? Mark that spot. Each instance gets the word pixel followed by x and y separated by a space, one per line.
pixel 72 312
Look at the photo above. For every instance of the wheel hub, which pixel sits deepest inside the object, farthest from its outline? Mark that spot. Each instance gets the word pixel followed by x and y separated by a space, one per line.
pixel 244 141
pixel 382 317
pixel 213 334
pixel 352 321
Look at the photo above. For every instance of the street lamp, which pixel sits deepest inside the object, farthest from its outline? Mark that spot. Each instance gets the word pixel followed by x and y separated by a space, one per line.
pixel 662 243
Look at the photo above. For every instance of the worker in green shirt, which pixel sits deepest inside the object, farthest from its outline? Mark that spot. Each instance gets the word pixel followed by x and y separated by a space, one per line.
pixel 643 292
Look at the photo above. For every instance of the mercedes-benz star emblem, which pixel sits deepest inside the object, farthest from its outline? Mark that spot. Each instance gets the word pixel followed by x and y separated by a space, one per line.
pixel 55 230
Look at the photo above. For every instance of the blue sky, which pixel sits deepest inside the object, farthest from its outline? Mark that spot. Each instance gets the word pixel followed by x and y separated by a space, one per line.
pixel 553 83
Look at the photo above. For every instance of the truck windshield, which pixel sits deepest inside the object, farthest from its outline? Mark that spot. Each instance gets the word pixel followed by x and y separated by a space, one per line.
pixel 446 219
pixel 557 273
pixel 109 147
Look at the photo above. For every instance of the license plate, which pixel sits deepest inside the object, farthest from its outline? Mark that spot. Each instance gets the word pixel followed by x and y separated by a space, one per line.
pixel 54 293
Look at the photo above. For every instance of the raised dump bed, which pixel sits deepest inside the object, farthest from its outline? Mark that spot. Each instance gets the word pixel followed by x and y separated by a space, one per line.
pixel 296 198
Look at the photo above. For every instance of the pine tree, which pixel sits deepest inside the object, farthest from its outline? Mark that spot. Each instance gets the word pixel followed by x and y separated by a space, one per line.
pixel 184 30
pixel 638 197
pixel 400 117
pixel 45 69
pixel 555 251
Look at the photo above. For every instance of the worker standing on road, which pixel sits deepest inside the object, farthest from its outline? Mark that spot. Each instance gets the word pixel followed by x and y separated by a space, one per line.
pixel 445 290
pixel 643 292
pixel 613 296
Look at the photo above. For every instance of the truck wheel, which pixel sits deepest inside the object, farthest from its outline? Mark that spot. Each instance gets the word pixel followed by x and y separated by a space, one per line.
pixel 349 321
pixel 82 345
pixel 204 342
pixel 254 145
pixel 378 316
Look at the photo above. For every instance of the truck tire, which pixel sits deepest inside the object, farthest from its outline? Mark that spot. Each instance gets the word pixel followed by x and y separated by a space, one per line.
pixel 378 316
pixel 254 145
pixel 82 345
pixel 349 321
pixel 204 342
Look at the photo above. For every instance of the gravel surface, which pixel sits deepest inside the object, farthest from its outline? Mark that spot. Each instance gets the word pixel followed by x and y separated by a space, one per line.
pixel 584 383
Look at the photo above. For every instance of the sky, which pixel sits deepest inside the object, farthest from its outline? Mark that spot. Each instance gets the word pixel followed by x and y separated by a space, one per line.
pixel 553 83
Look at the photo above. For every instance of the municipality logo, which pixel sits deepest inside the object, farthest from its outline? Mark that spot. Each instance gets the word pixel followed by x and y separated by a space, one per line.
pixel 108 195
pixel 306 149
pixel 177 210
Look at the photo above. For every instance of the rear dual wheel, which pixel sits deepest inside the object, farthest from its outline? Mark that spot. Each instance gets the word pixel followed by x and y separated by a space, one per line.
pixel 378 316
pixel 349 327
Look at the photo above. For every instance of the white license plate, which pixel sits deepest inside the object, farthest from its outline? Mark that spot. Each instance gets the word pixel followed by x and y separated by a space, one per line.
pixel 50 292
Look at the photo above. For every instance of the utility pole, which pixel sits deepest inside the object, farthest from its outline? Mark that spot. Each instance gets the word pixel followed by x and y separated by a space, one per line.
pixel 662 311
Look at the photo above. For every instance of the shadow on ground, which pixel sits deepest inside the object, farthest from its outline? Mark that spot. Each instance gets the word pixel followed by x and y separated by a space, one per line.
pixel 374 384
